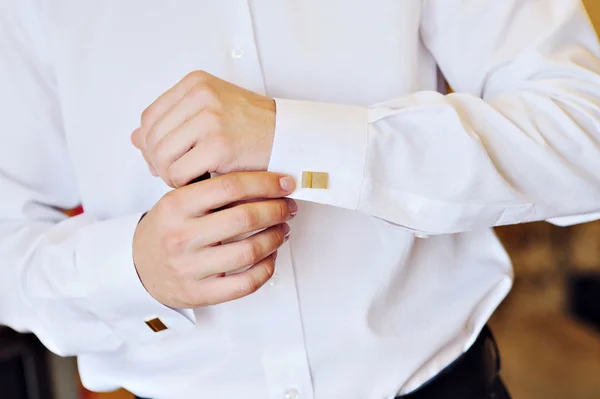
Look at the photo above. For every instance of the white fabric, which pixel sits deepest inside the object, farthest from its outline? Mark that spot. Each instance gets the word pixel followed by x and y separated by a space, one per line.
pixel 361 307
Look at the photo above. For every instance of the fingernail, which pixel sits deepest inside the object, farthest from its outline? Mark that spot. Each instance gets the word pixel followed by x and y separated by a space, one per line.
pixel 286 230
pixel 293 206
pixel 287 183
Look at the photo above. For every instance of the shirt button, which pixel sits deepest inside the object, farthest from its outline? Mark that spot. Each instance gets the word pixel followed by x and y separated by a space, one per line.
pixel 237 53
pixel 421 235
pixel 274 280
pixel 291 394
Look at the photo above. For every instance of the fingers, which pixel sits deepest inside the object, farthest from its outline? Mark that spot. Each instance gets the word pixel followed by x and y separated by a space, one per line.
pixel 234 204
pixel 227 288
pixel 137 141
pixel 200 198
pixel 229 223
pixel 182 154
pixel 184 169
pixel 176 143
pixel 169 99
pixel 197 98
pixel 170 111
pixel 238 255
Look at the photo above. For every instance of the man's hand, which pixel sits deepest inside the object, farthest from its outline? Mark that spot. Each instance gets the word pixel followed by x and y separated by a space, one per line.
pixel 177 246
pixel 205 124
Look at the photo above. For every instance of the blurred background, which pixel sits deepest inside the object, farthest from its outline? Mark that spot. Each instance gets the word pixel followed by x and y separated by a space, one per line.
pixel 548 329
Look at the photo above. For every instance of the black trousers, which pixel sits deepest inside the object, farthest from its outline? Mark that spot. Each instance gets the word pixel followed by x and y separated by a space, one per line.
pixel 497 391
pixel 474 375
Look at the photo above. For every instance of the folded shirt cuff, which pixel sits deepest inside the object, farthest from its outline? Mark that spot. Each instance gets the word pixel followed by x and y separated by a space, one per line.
pixel 326 138
pixel 112 288
pixel 573 220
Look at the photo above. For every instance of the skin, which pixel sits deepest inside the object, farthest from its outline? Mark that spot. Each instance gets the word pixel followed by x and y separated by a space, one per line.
pixel 205 124
pixel 178 249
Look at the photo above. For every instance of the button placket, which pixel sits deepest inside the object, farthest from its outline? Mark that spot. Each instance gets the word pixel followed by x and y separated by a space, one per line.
pixel 284 358
pixel 243 51
pixel 285 361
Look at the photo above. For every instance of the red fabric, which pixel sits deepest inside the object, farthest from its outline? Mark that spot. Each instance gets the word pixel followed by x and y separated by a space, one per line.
pixel 75 211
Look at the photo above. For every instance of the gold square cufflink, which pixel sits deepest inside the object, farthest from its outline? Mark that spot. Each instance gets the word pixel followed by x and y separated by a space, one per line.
pixel 156 325
pixel 315 180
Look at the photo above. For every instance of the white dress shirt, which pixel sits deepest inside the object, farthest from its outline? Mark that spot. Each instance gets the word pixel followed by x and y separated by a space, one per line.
pixel 390 273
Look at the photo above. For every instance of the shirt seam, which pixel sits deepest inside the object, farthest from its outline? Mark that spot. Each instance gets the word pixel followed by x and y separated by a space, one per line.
pixel 365 156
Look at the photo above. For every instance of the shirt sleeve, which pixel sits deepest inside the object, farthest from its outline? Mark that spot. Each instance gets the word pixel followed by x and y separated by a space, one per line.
pixel 517 141
pixel 71 281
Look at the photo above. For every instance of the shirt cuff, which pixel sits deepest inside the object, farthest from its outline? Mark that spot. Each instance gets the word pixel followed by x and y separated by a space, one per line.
pixel 573 220
pixel 322 137
pixel 112 289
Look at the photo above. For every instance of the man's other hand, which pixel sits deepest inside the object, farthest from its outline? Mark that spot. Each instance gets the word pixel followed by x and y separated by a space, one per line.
pixel 178 250
pixel 205 124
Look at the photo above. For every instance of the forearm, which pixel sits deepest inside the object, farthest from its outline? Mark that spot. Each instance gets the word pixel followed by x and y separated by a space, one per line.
pixel 466 163
pixel 444 164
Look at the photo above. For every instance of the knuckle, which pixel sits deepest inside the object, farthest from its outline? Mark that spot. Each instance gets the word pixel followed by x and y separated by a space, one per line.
pixel 224 153
pixel 195 76
pixel 279 235
pixel 169 204
pixel 155 134
pixel 270 181
pixel 202 93
pixel 147 116
pixel 157 152
pixel 248 285
pixel 268 268
pixel 177 175
pixel 245 217
pixel 262 273
pixel 174 243
pixel 280 211
pixel 201 74
pixel 249 253
pixel 232 187
pixel 151 136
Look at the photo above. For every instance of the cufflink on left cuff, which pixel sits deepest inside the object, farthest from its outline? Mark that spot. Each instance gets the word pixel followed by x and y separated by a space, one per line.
pixel 315 180
pixel 156 324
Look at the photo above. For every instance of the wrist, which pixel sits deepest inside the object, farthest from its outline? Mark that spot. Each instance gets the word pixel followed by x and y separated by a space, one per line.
pixel 266 117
